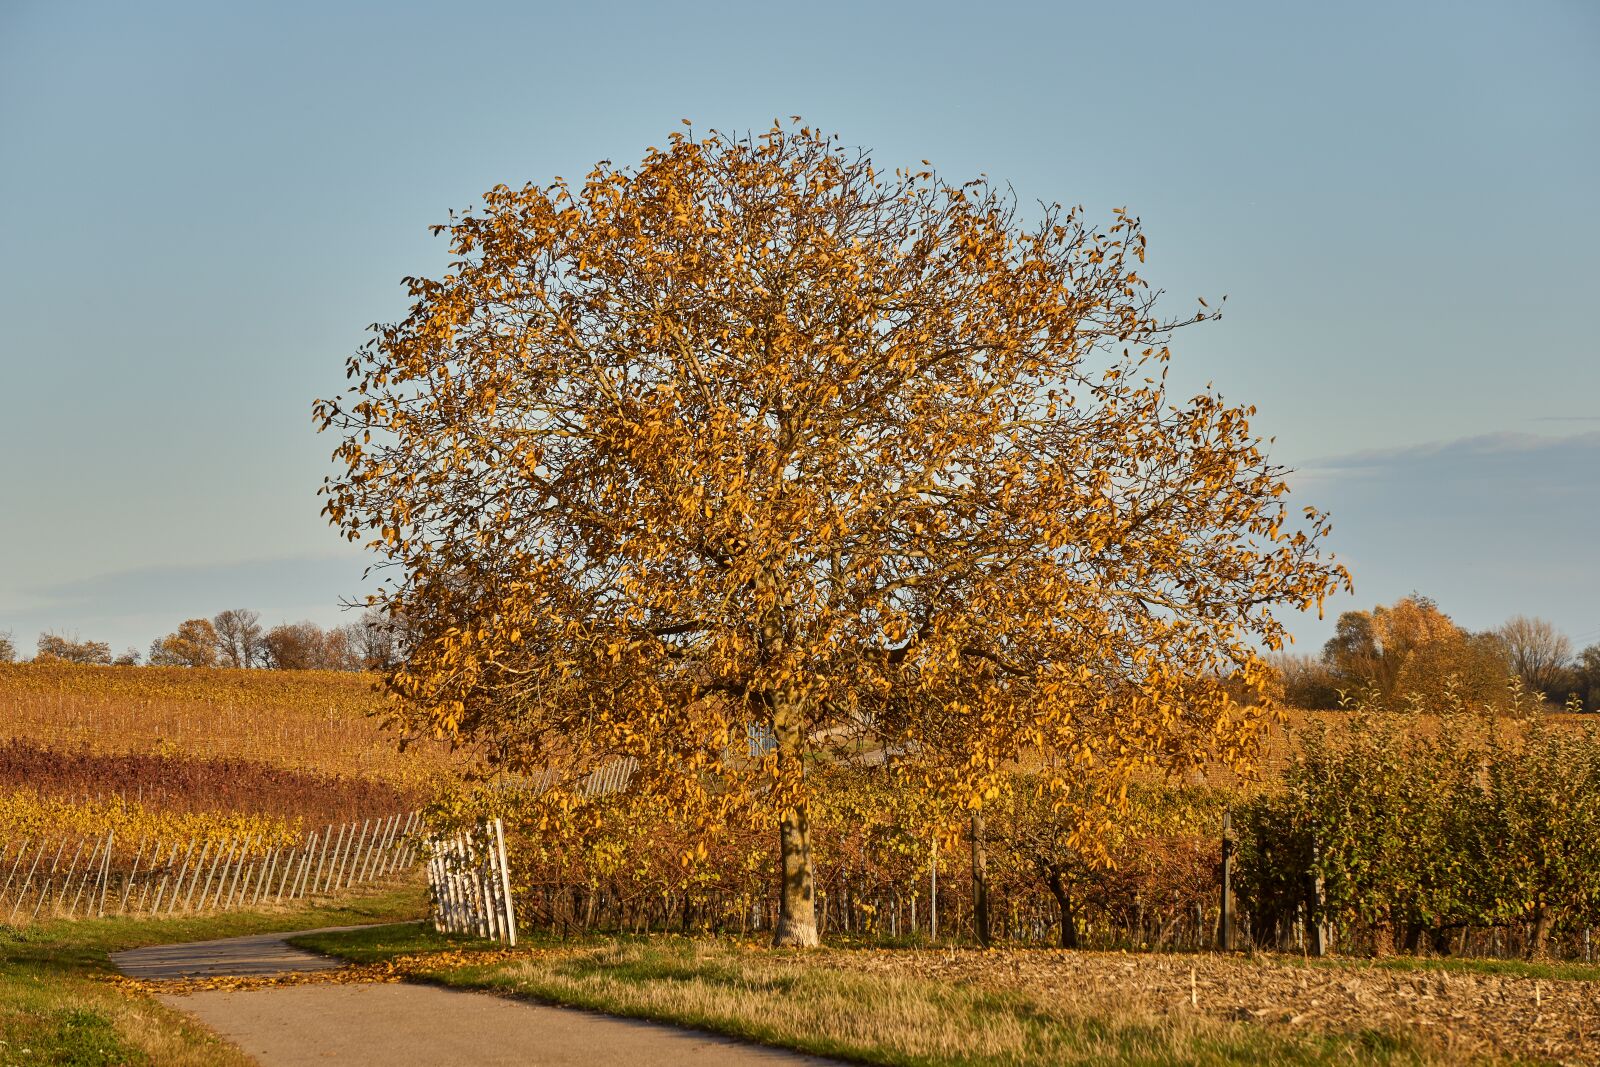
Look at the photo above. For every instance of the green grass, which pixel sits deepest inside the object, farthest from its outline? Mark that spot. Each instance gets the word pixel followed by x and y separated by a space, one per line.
pixel 793 1001
pixel 56 1009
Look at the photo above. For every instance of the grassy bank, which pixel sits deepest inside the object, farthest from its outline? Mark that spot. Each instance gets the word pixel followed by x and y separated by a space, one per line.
pixel 821 1003
pixel 56 1008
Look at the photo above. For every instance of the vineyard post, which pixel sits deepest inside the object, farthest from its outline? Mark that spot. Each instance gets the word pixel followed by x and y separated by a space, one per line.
pixel 305 868
pixel 380 843
pixel 144 894
pixel 402 842
pixel 505 885
pixel 52 879
pixel 22 854
pixel 238 871
pixel 364 868
pixel 341 858
pixel 352 856
pixel 333 860
pixel 205 893
pixel 409 853
pixel 188 902
pixel 386 856
pixel 127 886
pixel 268 867
pixel 364 854
pixel 354 859
pixel 316 879
pixel 1225 921
pixel 252 876
pixel 91 866
pixel 66 885
pixel 288 871
pixel 23 891
pixel 391 851
pixel 272 872
pixel 105 874
pixel 177 887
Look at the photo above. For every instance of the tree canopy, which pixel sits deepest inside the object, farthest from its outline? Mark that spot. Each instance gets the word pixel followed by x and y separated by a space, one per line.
pixel 754 434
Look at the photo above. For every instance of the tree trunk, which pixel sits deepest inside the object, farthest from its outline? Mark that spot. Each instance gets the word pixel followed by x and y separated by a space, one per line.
pixel 980 882
pixel 1383 939
pixel 797 905
pixel 1544 919
pixel 1069 921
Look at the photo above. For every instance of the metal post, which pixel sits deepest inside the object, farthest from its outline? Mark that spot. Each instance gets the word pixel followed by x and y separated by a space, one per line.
pixel 1225 922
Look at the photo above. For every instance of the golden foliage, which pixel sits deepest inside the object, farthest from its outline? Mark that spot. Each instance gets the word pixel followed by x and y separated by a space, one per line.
pixel 26 815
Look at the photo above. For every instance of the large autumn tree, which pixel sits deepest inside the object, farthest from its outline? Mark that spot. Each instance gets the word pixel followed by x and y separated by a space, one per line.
pixel 755 434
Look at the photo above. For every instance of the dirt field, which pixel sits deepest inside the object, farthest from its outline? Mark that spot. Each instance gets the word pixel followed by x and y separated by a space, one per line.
pixel 1463 1014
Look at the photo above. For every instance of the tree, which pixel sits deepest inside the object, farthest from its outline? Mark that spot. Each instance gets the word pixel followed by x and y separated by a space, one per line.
pixel 1538 652
pixel 193 644
pixel 298 646
pixel 1412 647
pixel 239 638
pixel 755 434
pixel 377 640
pixel 8 650
pixel 51 646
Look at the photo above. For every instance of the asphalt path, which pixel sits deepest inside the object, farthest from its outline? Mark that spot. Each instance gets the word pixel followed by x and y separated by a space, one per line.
pixel 404 1024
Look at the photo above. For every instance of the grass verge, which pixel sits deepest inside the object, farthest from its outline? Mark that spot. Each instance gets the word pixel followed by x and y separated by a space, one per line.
pixel 56 1009
pixel 800 1001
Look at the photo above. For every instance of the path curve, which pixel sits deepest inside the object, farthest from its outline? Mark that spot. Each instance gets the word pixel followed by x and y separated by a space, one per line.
pixel 403 1025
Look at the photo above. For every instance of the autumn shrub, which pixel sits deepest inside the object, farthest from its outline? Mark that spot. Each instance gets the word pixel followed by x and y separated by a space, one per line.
pixel 1384 831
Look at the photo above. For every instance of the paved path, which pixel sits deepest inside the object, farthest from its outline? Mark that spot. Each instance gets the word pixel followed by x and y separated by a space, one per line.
pixel 404 1025
pixel 257 954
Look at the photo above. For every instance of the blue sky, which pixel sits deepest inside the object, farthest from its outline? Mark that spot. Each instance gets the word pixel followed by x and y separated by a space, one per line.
pixel 203 206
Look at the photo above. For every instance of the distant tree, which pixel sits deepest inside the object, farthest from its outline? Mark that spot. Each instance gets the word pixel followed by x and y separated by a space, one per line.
pixel 305 646
pixel 8 650
pixel 129 658
pixel 378 639
pixel 239 638
pixel 1413 647
pixel 340 649
pixel 1581 680
pixel 1538 651
pixel 194 644
pixel 58 648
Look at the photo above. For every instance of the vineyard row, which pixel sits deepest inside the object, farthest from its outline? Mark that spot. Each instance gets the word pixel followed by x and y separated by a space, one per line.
pixel 68 876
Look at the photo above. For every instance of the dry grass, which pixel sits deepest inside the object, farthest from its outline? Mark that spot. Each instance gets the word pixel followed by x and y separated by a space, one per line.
pixel 1460 1015
pixel 829 1003
pixel 322 721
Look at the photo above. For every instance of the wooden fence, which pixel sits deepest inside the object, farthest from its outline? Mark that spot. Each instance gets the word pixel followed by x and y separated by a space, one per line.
pixel 470 883
pixel 83 876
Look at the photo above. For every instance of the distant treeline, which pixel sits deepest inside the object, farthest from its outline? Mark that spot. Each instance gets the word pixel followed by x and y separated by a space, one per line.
pixel 236 638
pixel 1413 647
